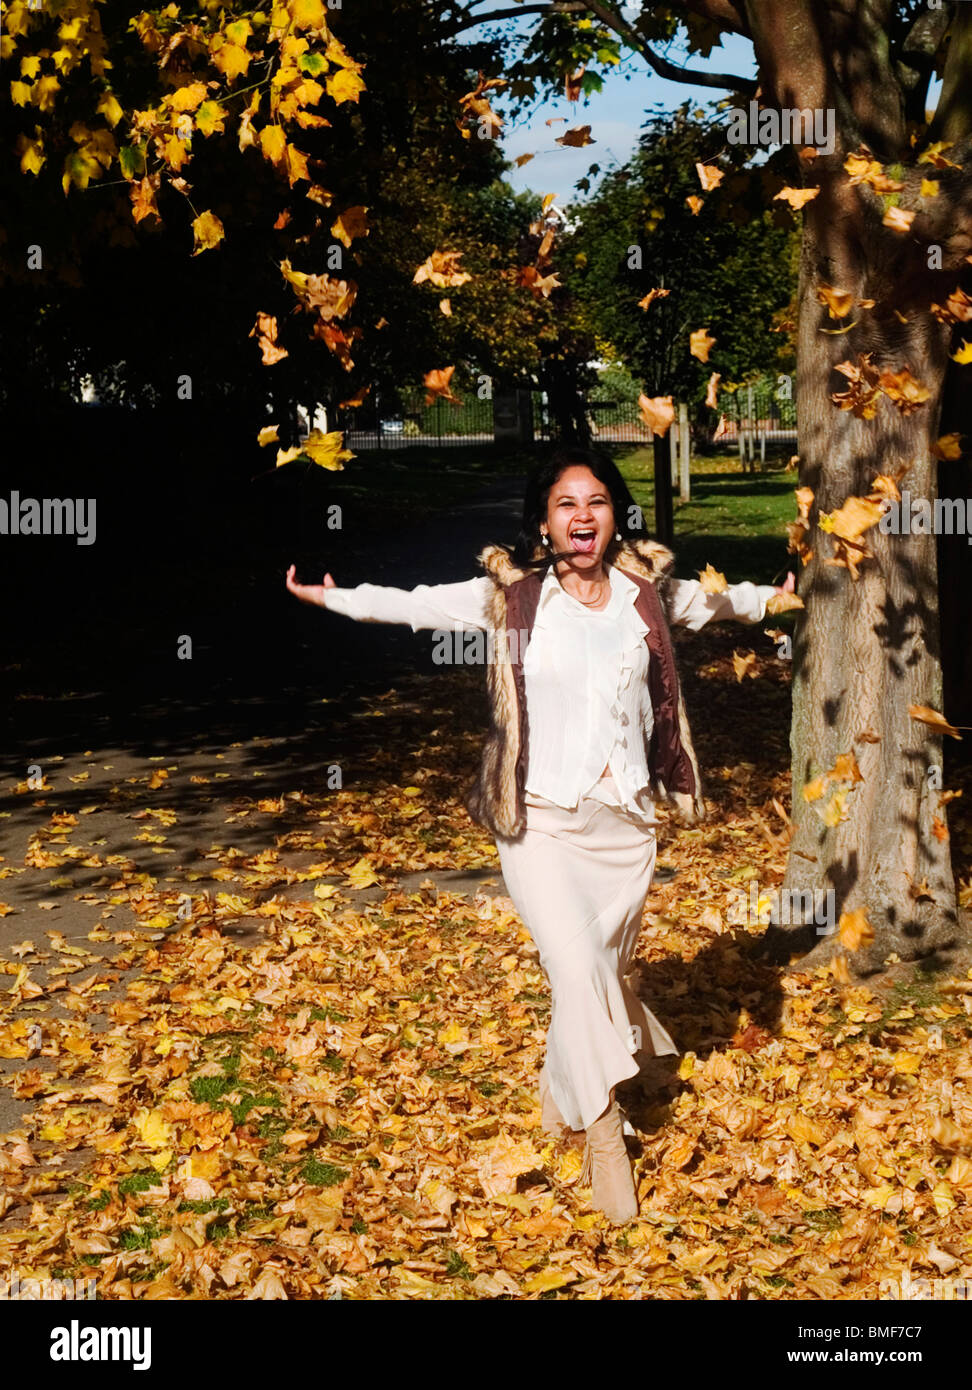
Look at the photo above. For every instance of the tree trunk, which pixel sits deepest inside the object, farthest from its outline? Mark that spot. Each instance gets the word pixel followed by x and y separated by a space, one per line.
pixel 866 649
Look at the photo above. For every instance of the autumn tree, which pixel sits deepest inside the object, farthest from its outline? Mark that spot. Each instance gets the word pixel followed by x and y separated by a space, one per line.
pixel 883 306
pixel 652 262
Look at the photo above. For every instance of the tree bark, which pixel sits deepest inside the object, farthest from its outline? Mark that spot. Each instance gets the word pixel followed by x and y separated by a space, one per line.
pixel 868 648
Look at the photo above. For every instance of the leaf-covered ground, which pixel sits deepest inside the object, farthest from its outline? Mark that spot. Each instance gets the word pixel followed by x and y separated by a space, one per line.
pixel 278 1066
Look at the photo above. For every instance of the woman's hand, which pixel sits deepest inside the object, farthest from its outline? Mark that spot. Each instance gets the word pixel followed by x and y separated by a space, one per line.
pixel 309 593
pixel 788 585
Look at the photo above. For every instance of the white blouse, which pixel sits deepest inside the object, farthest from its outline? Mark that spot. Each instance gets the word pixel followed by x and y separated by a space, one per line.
pixel 584 671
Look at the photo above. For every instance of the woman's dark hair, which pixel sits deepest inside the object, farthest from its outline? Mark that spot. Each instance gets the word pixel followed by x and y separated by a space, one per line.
pixel 539 483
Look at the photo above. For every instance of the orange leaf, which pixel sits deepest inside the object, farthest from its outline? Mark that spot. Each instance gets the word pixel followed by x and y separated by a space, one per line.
pixel 650 298
pixel 437 382
pixel 700 344
pixel 657 412
pixel 796 197
pixel 711 581
pixel 933 719
pixel 709 176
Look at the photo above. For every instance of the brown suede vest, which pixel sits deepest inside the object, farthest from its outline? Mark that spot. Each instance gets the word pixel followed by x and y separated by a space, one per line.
pixel 668 761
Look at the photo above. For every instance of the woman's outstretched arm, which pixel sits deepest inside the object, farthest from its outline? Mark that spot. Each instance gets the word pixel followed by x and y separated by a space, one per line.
pixel 692 607
pixel 452 606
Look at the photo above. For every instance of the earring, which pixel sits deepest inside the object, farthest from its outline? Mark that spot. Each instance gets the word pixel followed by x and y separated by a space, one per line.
pixel 617 535
pixel 545 538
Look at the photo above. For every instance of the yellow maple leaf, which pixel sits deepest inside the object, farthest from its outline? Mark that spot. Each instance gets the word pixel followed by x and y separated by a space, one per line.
pixel 964 353
pixel 344 85
pixel 32 156
pixel 362 873
pixel 232 60
pixel 327 450
pixel 273 143
pixel 208 232
pixel 153 1128
pixel 307 14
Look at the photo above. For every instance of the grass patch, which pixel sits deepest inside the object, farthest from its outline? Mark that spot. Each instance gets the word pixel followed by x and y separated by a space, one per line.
pixel 322 1174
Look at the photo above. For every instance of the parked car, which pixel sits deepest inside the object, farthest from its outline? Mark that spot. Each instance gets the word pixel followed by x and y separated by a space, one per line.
pixel 391 426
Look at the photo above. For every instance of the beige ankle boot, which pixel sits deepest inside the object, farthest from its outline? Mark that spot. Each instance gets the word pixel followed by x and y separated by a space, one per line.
pixel 607 1168
pixel 551 1120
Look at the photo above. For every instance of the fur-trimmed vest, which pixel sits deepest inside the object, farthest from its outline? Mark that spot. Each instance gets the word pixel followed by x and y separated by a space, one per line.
pixel 497 797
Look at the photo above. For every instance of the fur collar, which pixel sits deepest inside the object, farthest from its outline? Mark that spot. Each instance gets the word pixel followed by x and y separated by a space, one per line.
pixel 647 558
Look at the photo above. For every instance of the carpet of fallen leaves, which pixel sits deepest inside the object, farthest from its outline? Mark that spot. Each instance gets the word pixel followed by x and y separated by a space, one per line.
pixel 297 1094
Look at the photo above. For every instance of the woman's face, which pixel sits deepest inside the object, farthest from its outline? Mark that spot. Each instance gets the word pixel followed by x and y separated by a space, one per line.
pixel 580 517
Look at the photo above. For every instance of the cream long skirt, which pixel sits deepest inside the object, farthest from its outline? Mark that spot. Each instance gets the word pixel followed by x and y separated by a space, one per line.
pixel 578 880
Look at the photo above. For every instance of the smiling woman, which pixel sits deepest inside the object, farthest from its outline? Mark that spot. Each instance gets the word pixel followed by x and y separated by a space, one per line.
pixel 587 729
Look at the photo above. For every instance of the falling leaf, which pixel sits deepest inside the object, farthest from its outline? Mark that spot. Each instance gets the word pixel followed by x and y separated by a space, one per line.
pixel 442 269
pixel 783 603
pixel 933 719
pixel 852 519
pixel 522 159
pixel 838 302
pixel 949 446
pixel 711 390
pixel 207 232
pixel 657 412
pixel 797 197
pixel 898 219
pixel 933 155
pixel 744 664
pixel 956 309
pixel 862 168
pixel 712 582
pixel 351 223
pixel 327 450
pixel 578 137
pixel 695 203
pixel 964 353
pixel 445 307
pixel 354 401
pixel 650 298
pixel 709 176
pixel 437 382
pixel 700 344
pixel 266 330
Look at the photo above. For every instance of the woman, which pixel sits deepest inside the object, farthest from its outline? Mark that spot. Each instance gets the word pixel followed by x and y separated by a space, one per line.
pixel 587 728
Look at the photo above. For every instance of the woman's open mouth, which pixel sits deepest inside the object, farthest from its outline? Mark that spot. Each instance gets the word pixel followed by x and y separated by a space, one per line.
pixel 584 539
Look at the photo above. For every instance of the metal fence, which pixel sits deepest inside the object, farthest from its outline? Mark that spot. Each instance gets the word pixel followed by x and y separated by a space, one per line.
pixel 407 420
pixel 749 418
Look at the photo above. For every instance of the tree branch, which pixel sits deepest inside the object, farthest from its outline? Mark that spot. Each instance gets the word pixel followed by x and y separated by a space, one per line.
pixel 556 7
pixel 722 80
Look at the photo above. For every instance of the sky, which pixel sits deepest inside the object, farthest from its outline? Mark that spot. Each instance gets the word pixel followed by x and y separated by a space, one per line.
pixel 614 114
